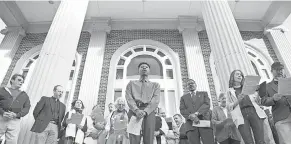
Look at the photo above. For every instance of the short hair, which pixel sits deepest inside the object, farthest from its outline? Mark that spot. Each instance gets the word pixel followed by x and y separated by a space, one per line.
pixel 231 78
pixel 110 104
pixel 179 115
pixel 120 100
pixel 74 102
pixel 55 87
pixel 143 63
pixel 277 65
pixel 191 80
pixel 15 76
pixel 221 95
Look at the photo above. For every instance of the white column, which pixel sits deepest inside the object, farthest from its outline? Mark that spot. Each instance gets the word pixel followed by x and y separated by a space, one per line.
pixel 225 40
pixel 93 67
pixel 8 47
pixel 281 46
pixel 194 57
pixel 56 57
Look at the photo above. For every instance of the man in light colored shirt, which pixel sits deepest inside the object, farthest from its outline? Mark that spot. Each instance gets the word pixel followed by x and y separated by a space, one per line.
pixel 143 98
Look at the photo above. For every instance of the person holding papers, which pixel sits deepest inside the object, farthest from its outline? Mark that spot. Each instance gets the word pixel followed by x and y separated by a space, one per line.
pixel 117 125
pixel 245 112
pixel 143 98
pixel 49 113
pixel 224 128
pixel 75 123
pixel 195 108
pixel 280 103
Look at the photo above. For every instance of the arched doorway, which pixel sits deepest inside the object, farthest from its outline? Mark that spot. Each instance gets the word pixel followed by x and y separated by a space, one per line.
pixel 165 70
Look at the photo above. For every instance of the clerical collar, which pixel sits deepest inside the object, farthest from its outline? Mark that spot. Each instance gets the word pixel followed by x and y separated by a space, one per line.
pixel 144 80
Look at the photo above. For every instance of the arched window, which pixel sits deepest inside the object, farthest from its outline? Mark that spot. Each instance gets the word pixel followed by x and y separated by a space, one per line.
pixel 29 66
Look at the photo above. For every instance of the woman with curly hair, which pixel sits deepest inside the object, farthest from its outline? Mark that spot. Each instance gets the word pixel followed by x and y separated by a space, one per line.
pixel 117 125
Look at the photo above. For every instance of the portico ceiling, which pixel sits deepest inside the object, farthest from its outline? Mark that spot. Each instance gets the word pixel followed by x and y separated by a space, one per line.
pixel 43 11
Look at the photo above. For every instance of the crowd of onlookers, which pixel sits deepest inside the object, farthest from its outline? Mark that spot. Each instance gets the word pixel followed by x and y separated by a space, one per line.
pixel 238 118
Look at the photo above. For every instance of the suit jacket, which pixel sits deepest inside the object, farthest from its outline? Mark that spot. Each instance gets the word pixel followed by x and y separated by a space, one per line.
pixel 235 111
pixel 199 103
pixel 280 109
pixel 42 114
pixel 221 130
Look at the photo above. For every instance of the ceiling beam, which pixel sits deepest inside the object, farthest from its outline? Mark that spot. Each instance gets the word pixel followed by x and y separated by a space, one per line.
pixel 277 13
pixel 12 15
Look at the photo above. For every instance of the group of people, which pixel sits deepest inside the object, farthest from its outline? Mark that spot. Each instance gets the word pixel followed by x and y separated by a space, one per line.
pixel 238 118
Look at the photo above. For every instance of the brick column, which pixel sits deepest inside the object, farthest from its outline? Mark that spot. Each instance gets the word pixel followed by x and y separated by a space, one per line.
pixel 93 66
pixel 281 46
pixel 8 47
pixel 56 57
pixel 225 40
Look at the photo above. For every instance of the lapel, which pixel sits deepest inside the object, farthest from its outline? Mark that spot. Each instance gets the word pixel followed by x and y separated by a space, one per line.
pixel 7 91
pixel 274 86
pixel 232 95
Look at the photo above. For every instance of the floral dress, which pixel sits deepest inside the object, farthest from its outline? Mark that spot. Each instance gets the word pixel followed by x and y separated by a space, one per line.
pixel 118 125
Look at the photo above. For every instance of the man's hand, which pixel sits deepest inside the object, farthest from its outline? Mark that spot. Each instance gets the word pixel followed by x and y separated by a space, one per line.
pixel 194 118
pixel 12 115
pixel 240 97
pixel 277 97
pixel 140 114
pixel 157 133
pixel 6 116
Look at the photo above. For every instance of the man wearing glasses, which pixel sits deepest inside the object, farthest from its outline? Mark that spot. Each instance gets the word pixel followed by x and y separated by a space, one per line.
pixel 14 104
pixel 281 108
pixel 48 114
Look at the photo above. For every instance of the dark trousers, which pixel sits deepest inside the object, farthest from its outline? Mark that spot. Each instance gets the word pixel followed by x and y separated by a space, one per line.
pixel 230 141
pixel 148 129
pixel 206 135
pixel 252 122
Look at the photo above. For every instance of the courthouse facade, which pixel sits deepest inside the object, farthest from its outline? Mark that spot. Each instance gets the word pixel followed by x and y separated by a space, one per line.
pixel 93 48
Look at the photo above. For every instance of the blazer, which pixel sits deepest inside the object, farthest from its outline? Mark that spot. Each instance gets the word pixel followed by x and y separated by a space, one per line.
pixel 280 108
pixel 222 133
pixel 235 112
pixel 199 103
pixel 42 114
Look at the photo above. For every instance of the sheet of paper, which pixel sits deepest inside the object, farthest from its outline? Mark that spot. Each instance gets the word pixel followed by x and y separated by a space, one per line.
pixel 250 84
pixel 203 123
pixel 76 118
pixel 134 125
pixel 284 86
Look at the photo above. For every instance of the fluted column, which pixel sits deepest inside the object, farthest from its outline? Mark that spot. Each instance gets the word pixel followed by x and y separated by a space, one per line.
pixel 281 46
pixel 8 47
pixel 93 66
pixel 56 57
pixel 194 57
pixel 225 40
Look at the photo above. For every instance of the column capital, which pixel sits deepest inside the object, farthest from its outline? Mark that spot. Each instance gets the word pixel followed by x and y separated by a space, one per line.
pixel 188 22
pixel 280 28
pixel 99 24
pixel 7 30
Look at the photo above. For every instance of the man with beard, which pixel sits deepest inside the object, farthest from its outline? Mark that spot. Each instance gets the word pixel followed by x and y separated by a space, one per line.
pixel 281 108
pixel 143 98
pixel 195 106
pixel 224 127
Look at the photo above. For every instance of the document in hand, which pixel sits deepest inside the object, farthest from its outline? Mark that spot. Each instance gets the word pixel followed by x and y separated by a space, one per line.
pixel 202 123
pixel 250 84
pixel 284 86
pixel 134 125
pixel 76 118
pixel 263 89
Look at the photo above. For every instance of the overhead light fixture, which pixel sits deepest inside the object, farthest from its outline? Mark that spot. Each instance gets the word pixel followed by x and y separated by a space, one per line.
pixel 51 2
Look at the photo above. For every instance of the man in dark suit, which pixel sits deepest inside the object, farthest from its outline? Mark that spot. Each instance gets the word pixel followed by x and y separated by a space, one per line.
pixel 195 106
pixel 224 128
pixel 48 114
pixel 281 108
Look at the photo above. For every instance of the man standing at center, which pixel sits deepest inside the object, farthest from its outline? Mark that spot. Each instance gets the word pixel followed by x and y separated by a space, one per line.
pixel 143 98
pixel 49 113
pixel 195 106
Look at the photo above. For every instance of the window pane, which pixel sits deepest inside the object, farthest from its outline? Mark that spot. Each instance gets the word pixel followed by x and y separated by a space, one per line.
pixel 36 57
pixel 162 100
pixel 251 54
pixel 117 94
pixel 259 60
pixel 150 49
pixel 121 62
pixel 255 68
pixel 74 63
pixel 168 62
pixel 266 73
pixel 128 54
pixel 172 101
pixel 161 54
pixel 138 49
pixel 71 74
pixel 24 73
pixel 169 74
pixel 29 63
pixel 119 74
